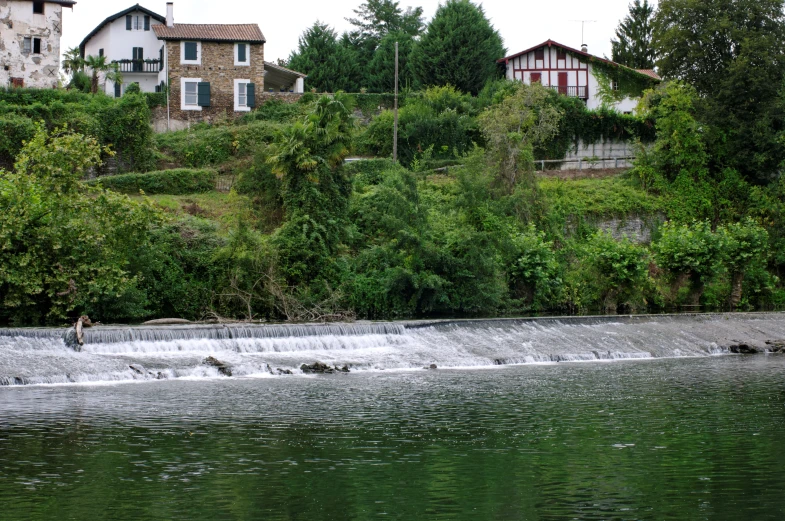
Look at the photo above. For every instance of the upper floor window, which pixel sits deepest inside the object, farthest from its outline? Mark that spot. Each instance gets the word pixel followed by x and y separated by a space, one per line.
pixel 561 54
pixel 38 7
pixel 241 54
pixel 137 22
pixel 30 44
pixel 190 53
pixel 539 54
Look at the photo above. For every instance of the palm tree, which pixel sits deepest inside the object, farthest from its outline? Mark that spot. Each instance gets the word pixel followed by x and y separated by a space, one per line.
pixel 99 64
pixel 73 61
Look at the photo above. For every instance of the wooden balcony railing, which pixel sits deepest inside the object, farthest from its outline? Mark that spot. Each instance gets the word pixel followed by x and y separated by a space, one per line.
pixel 572 92
pixel 139 65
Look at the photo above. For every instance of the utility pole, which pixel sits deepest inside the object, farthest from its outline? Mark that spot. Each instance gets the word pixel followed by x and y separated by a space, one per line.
pixel 395 109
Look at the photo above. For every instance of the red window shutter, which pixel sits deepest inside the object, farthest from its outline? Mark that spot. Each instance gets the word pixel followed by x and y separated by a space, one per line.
pixel 536 77
pixel 539 54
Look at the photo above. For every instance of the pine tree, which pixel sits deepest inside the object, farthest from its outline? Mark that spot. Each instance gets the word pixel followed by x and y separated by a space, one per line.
pixel 382 68
pixel 460 48
pixel 328 63
pixel 634 46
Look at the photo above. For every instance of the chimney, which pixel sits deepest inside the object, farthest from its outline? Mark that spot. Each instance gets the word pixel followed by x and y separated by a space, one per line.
pixel 584 47
pixel 170 14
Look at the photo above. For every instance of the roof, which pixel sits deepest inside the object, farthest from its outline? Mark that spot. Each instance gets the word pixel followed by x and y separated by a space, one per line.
pixel 137 7
pixel 650 73
pixel 64 3
pixel 550 43
pixel 211 32
pixel 271 65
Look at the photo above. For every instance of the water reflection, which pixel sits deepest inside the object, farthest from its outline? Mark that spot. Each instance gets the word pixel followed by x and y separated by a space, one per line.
pixel 667 439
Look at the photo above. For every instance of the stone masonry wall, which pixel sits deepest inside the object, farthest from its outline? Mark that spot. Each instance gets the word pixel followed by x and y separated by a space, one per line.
pixel 17 21
pixel 218 68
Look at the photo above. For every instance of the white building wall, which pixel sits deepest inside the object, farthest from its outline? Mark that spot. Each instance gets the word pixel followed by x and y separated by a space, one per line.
pixel 118 44
pixel 18 21
pixel 521 68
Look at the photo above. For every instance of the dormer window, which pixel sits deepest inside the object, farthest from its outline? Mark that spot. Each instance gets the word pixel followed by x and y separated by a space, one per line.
pixel 242 54
pixel 38 7
pixel 137 23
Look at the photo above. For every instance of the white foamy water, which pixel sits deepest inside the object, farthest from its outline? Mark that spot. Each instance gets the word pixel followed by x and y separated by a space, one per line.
pixel 40 356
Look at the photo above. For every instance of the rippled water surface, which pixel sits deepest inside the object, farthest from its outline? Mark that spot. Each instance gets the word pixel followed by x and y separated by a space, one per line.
pixel 661 439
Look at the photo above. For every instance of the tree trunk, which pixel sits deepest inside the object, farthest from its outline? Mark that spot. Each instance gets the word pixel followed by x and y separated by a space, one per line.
pixel 736 287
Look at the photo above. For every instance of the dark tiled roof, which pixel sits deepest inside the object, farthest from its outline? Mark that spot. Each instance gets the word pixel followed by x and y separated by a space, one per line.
pixel 137 7
pixel 211 32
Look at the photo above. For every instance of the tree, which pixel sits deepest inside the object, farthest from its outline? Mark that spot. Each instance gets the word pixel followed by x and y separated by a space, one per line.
pixel 377 18
pixel 459 48
pixel 329 65
pixel 73 61
pixel 745 244
pixel 633 47
pixel 381 73
pixel 733 53
pixel 513 128
pixel 98 64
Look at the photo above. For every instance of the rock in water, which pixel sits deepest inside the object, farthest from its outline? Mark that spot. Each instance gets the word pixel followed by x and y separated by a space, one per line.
pixel 322 368
pixel 223 368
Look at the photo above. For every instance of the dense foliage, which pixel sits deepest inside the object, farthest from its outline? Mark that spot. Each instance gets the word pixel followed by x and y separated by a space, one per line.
pixel 633 45
pixel 175 181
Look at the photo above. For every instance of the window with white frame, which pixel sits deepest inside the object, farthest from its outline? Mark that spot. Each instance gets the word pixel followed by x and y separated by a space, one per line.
pixel 27 45
pixel 241 95
pixel 190 53
pixel 190 93
pixel 242 54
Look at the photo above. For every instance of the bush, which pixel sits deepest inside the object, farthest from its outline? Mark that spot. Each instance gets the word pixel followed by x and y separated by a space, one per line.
pixel 15 130
pixel 174 182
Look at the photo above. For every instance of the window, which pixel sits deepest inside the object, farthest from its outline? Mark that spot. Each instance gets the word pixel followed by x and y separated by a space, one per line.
pixel 539 54
pixel 36 45
pixel 190 53
pixel 561 54
pixel 536 77
pixel 189 93
pixel 146 23
pixel 241 54
pixel 138 59
pixel 27 45
pixel 100 52
pixel 17 82
pixel 244 95
pixel 137 23
pixel 38 7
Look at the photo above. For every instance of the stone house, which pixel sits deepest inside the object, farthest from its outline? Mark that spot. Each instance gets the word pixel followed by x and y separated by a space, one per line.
pixel 213 69
pixel 30 42
pixel 127 38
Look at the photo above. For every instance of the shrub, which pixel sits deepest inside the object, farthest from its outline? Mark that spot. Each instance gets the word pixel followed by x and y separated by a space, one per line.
pixel 174 182
pixel 15 130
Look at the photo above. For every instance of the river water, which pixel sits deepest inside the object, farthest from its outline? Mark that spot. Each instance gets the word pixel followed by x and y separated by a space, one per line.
pixel 679 437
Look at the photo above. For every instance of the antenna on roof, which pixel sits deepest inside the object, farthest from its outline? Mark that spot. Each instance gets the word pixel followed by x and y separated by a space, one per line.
pixel 583 24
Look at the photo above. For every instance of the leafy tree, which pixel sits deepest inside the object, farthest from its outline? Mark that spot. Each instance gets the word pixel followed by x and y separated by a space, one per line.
pixel 329 64
pixel 733 53
pixel 459 48
pixel 618 270
pixel 744 244
pixel 377 18
pixel 633 46
pixel 691 253
pixel 534 271
pixel 513 128
pixel 64 247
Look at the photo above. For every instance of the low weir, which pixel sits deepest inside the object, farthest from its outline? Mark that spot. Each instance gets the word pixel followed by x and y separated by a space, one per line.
pixel 127 353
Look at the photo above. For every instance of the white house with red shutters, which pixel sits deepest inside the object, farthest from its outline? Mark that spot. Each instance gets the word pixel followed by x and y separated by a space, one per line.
pixel 569 71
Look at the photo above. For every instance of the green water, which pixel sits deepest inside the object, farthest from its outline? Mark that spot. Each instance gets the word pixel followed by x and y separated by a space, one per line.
pixel 684 439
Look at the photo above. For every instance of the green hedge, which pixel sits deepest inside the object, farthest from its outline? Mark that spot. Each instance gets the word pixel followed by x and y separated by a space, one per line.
pixel 155 99
pixel 14 129
pixel 174 182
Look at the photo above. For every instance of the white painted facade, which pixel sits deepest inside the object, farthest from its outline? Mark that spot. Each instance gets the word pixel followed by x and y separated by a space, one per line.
pixel 566 70
pixel 22 33
pixel 118 43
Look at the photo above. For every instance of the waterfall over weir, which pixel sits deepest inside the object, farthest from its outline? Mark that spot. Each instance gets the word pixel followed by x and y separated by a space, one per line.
pixel 119 353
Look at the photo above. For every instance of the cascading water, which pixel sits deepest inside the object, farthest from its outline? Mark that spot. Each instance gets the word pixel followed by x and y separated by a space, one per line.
pixel 111 353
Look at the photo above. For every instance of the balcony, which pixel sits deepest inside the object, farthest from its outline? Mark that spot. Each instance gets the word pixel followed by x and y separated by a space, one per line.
pixel 572 92
pixel 128 66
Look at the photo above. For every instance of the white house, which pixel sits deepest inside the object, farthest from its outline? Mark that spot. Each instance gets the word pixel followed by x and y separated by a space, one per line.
pixel 572 72
pixel 128 39
pixel 30 42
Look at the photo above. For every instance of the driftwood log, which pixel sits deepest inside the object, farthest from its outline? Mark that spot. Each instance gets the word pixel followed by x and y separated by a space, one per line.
pixel 83 322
